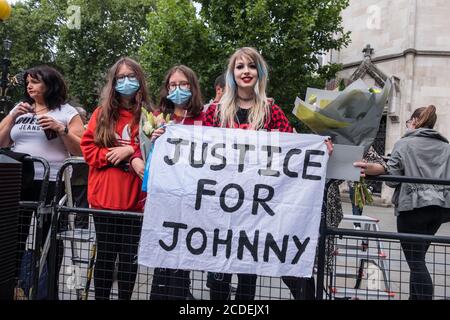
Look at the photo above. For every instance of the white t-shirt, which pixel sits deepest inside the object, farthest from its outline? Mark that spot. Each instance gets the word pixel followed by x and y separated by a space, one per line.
pixel 28 137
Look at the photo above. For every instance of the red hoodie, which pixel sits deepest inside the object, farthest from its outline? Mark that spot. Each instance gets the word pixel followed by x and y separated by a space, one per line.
pixel 111 187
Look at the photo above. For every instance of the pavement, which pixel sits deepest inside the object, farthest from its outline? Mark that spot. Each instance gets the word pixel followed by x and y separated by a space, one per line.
pixel 385 273
pixel 387 218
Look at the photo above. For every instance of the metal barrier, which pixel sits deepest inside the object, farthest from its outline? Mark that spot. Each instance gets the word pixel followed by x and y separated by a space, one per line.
pixel 379 274
pixel 31 224
pixel 358 273
pixel 76 274
pixel 86 251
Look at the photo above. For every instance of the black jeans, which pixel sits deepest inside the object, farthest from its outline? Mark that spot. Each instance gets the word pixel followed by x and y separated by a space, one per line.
pixel 79 194
pixel 32 194
pixel 116 236
pixel 170 284
pixel 301 288
pixel 426 221
pixel 220 287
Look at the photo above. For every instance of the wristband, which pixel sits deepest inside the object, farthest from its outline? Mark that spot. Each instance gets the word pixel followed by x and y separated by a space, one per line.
pixel 66 130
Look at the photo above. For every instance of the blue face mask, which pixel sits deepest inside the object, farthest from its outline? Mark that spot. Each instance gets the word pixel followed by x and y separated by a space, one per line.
pixel 179 96
pixel 127 87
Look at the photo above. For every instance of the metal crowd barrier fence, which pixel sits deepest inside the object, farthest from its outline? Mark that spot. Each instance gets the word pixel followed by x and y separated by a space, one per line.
pixel 361 271
pixel 31 224
pixel 77 280
pixel 371 264
pixel 91 269
pixel 89 260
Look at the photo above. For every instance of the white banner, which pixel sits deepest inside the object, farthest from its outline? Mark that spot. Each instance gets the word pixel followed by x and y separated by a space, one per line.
pixel 234 201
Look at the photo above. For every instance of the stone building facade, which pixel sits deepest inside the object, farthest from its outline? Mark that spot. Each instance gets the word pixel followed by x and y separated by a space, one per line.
pixel 409 43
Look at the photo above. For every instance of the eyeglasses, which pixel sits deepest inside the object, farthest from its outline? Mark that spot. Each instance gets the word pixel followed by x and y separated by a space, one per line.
pixel 183 85
pixel 121 77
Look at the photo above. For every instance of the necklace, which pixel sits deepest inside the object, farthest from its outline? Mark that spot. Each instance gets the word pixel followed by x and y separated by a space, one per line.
pixel 246 99
pixel 37 111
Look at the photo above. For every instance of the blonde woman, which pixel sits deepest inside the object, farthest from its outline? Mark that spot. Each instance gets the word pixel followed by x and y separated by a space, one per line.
pixel 244 105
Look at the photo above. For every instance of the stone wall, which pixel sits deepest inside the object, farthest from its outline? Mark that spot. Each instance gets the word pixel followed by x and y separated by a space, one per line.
pixel 392 28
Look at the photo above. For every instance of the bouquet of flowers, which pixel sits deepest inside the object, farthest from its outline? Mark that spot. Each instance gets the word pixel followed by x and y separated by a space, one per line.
pixel 350 117
pixel 362 194
pixel 149 123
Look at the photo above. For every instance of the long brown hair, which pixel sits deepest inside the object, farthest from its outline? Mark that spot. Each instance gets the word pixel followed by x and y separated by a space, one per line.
pixel 110 104
pixel 425 117
pixel 195 104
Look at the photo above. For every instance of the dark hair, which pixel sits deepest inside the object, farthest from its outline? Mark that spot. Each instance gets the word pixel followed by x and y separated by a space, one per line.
pixel 56 88
pixel 425 117
pixel 110 104
pixel 195 104
pixel 220 81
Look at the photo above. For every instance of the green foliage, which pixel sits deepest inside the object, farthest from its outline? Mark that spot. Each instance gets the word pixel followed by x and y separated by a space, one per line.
pixel 33 35
pixel 33 31
pixel 289 34
pixel 362 193
pixel 161 33
pixel 108 30
pixel 341 85
pixel 176 36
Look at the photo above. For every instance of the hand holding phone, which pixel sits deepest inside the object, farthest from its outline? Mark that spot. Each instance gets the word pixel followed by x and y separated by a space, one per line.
pixel 47 123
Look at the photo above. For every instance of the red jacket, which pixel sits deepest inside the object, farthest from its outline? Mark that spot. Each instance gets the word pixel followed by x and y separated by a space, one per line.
pixel 277 120
pixel 111 187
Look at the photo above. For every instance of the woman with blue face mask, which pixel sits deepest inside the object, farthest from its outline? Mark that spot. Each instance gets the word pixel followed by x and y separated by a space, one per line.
pixel 107 144
pixel 180 95
pixel 181 99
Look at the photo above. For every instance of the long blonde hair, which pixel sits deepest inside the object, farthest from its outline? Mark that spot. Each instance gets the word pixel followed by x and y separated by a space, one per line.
pixel 228 105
